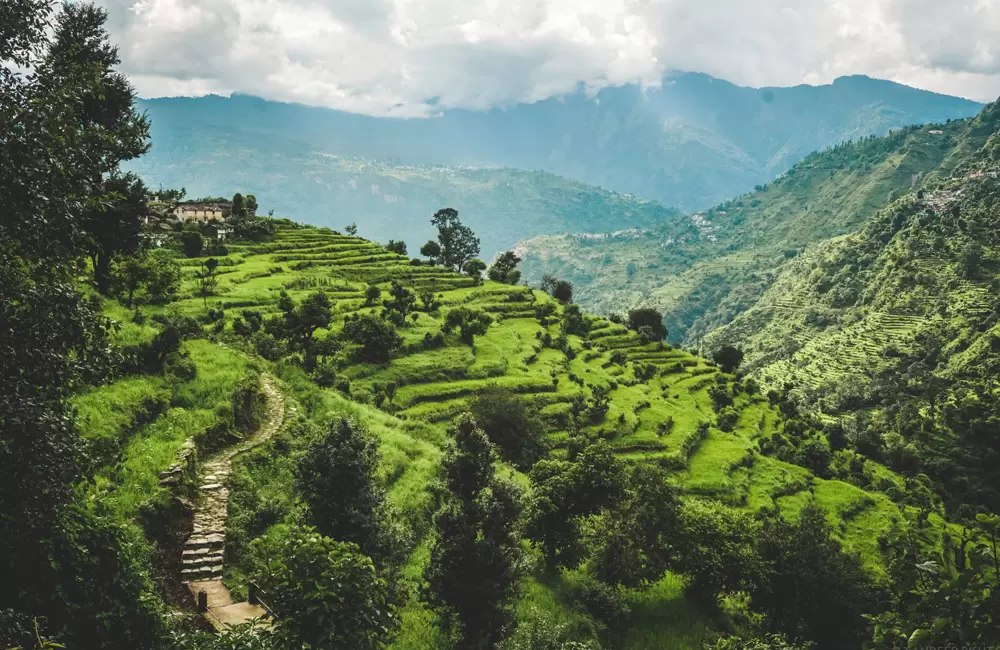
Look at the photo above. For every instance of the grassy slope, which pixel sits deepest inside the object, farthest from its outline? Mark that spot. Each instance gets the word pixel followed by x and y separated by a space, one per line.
pixel 706 270
pixel 435 386
pixel 851 305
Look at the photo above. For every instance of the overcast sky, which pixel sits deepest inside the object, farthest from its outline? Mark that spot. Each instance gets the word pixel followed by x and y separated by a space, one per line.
pixel 392 56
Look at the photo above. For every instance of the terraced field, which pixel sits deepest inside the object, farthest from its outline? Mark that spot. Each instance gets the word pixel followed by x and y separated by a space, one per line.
pixel 659 404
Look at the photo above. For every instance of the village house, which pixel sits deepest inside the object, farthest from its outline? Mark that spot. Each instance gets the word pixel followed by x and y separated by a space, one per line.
pixel 221 230
pixel 202 211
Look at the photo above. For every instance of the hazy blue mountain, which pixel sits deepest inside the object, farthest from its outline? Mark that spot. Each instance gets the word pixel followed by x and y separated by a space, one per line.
pixel 691 143
pixel 386 200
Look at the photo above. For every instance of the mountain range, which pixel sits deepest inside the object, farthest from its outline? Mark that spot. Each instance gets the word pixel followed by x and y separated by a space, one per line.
pixel 689 143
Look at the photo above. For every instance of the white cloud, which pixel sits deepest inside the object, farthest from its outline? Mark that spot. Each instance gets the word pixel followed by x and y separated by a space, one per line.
pixel 392 56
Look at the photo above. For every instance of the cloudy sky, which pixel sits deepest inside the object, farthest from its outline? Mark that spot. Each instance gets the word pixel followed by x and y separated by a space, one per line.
pixel 393 56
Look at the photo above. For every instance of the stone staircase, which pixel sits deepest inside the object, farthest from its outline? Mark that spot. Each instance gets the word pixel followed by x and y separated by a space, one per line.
pixel 203 557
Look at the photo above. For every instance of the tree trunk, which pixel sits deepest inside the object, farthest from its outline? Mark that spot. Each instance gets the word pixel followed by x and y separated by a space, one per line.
pixel 102 273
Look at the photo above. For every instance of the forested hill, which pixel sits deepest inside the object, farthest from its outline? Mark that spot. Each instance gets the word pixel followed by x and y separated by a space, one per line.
pixel 691 143
pixel 704 270
pixel 386 200
pixel 894 329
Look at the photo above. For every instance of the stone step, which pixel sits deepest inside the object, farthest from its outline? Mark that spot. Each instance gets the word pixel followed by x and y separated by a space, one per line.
pixel 215 559
pixel 202 573
pixel 205 541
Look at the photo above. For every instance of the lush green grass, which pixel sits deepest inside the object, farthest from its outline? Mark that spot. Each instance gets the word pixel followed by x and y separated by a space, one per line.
pixel 661 418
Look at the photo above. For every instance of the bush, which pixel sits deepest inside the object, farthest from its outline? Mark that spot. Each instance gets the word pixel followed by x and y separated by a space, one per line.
pixel 249 404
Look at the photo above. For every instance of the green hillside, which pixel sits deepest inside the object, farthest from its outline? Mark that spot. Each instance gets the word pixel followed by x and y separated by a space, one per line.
pixel 895 325
pixel 705 270
pixel 260 435
pixel 664 407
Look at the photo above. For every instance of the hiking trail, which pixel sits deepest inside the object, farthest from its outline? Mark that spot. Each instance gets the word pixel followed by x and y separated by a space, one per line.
pixel 203 557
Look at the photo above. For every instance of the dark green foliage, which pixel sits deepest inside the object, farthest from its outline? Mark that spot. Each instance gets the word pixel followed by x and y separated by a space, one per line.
pixel 573 321
pixel 636 540
pixel 398 247
pixel 401 300
pixel 728 357
pixel 476 536
pixel 249 405
pixel 457 243
pixel 566 491
pixel 192 242
pixel 474 268
pixel 372 294
pixel 238 208
pixel 376 338
pixel 245 636
pixel 504 268
pixel 207 281
pixel 325 593
pixel 162 277
pixel 429 300
pixel 949 598
pixel 510 424
pixel 718 550
pixel 762 642
pixel 648 322
pixel 470 323
pixel 811 588
pixel 337 479
pixel 562 291
pixel 351 229
pixel 431 250
pixel 298 323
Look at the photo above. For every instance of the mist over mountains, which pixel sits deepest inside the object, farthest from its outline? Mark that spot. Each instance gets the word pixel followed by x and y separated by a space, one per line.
pixel 689 144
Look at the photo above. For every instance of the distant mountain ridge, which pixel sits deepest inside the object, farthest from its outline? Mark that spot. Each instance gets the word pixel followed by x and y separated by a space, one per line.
pixel 690 143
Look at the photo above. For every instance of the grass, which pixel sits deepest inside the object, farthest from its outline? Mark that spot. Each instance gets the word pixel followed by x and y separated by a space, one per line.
pixel 659 419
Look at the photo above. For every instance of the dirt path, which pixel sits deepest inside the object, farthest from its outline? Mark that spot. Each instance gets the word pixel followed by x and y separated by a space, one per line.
pixel 203 557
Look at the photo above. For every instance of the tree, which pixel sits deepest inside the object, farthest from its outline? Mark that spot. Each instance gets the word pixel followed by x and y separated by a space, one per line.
pixel 351 229
pixel 324 593
pixel 59 141
pixel 113 228
pixel 510 424
pixel 812 589
pixel 163 279
pixel 474 268
pixel 457 242
pixel 637 539
pixel 470 323
pixel 562 291
pixel 337 477
pixel 251 205
pixel 376 338
pixel 504 268
pixel 649 322
pixel 300 322
pixel 970 259
pixel 564 492
pixel 432 251
pixel 111 224
pixel 398 247
pixel 372 294
pixel 547 283
pixel 238 209
pixel 402 301
pixel 717 550
pixel 476 536
pixel 193 243
pixel 728 358
pixel 129 274
pixel 207 280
